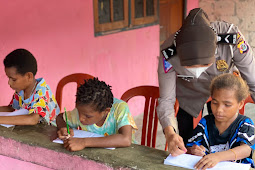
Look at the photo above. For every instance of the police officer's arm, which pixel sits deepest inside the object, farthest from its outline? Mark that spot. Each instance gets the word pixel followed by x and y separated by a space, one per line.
pixel 167 89
pixel 165 110
pixel 244 60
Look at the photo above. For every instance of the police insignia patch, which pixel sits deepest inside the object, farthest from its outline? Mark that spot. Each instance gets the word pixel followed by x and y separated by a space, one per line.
pixel 242 46
pixel 167 65
pixel 221 65
pixel 238 35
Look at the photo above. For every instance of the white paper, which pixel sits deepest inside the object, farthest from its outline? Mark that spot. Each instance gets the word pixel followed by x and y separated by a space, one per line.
pixel 189 161
pixel 15 113
pixel 81 134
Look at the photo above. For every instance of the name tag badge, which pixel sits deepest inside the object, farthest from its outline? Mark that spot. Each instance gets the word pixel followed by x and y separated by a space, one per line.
pixel 185 77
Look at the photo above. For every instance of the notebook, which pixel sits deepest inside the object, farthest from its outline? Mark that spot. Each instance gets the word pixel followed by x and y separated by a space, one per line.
pixel 81 134
pixel 15 113
pixel 189 161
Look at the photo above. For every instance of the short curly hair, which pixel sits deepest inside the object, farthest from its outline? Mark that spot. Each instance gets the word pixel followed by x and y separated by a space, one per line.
pixel 95 93
pixel 232 82
pixel 22 60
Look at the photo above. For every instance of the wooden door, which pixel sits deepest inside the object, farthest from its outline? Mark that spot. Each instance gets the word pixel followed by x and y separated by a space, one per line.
pixel 170 17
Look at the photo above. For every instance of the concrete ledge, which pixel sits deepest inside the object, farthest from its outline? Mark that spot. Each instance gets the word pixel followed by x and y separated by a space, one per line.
pixel 33 144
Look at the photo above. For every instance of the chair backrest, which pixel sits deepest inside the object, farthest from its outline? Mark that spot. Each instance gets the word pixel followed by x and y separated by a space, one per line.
pixel 76 78
pixel 150 118
pixel 247 100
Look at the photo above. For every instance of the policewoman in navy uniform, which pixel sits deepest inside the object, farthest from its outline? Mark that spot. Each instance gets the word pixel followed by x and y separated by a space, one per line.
pixel 189 60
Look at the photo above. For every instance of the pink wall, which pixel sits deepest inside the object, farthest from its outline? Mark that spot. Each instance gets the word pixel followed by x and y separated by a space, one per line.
pixel 192 4
pixel 11 163
pixel 60 34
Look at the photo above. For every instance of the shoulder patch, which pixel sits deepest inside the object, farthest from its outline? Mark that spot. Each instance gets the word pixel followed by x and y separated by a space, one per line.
pixel 167 65
pixel 169 52
pixel 242 46
pixel 238 35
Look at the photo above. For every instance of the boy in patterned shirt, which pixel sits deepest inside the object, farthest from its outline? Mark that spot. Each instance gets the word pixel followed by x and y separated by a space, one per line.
pixel 30 93
pixel 98 112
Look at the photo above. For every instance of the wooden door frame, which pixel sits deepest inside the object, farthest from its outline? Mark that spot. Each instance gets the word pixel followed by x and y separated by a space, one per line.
pixel 184 9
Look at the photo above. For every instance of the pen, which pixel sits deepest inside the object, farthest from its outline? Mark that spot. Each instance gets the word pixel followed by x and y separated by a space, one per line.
pixel 67 126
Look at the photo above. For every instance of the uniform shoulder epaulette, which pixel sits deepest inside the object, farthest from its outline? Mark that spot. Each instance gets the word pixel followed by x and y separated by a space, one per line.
pixel 227 38
pixel 169 52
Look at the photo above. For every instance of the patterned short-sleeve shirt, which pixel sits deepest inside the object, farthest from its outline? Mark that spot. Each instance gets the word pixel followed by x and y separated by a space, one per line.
pixel 118 117
pixel 42 102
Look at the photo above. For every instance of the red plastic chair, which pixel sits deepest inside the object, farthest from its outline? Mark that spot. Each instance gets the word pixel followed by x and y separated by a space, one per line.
pixel 150 118
pixel 247 100
pixel 76 77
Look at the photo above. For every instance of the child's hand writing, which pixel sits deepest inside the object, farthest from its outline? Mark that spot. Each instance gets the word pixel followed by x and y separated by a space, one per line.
pixel 63 134
pixel 196 150
pixel 208 161
pixel 74 144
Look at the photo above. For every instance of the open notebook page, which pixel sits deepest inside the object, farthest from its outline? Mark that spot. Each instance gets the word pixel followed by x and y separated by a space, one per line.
pixel 81 134
pixel 15 113
pixel 189 161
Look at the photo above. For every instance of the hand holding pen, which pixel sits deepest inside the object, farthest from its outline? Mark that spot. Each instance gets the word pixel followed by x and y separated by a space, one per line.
pixel 65 132
pixel 67 126
pixel 197 150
